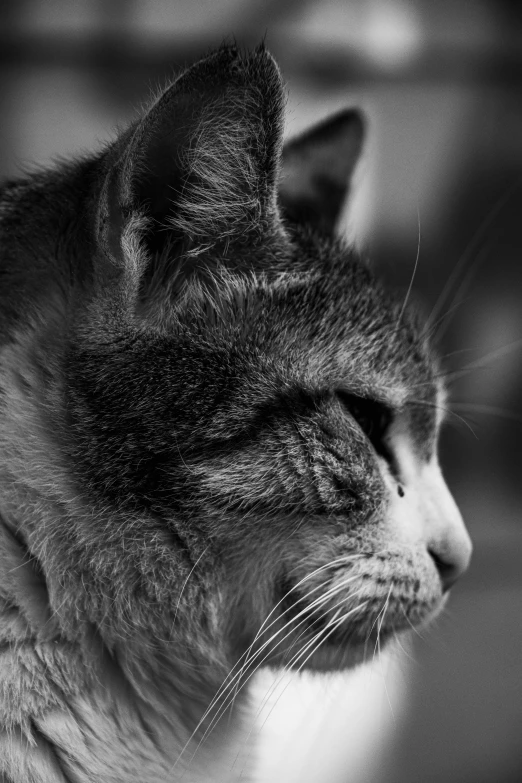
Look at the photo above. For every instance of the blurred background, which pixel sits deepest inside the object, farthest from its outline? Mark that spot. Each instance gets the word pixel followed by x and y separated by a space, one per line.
pixel 441 83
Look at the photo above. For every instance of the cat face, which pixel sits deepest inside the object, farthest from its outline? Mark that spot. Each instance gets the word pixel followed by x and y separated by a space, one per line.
pixel 241 423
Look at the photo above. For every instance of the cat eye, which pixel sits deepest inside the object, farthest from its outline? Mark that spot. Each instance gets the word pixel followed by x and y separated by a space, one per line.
pixel 372 416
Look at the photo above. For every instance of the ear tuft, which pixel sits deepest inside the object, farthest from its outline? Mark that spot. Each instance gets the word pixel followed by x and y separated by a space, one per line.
pixel 317 170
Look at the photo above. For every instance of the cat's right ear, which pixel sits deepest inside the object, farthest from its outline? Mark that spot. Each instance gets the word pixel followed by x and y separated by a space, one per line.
pixel 198 173
pixel 317 170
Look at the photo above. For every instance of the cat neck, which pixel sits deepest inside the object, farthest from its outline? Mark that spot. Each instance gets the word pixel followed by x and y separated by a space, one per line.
pixel 114 701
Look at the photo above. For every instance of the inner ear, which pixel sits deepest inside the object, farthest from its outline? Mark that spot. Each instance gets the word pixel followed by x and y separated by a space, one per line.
pixel 317 170
pixel 158 187
pixel 159 184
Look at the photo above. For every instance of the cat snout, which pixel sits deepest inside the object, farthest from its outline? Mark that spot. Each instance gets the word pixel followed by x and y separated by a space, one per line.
pixel 425 514
pixel 448 541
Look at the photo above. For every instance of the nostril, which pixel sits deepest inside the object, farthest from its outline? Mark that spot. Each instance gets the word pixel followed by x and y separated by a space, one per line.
pixel 448 572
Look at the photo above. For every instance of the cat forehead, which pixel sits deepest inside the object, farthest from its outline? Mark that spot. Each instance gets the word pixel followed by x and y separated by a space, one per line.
pixel 323 322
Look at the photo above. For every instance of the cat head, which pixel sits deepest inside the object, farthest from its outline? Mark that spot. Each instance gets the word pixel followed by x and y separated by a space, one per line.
pixel 219 430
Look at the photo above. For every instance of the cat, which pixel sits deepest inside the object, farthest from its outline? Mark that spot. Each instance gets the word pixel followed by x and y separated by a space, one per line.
pixel 218 437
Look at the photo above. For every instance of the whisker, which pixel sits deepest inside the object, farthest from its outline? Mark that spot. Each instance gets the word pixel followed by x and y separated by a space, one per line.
pixel 336 624
pixel 232 677
pixel 455 353
pixel 330 627
pixel 488 410
pixel 226 704
pixel 229 680
pixel 288 663
pixel 460 294
pixel 403 649
pixel 323 598
pixel 185 583
pixel 344 560
pixel 469 250
pixel 367 639
pixel 385 609
pixel 408 292
pixel 483 363
pixel 431 332
pixel 413 627
pixel 380 619
pixel 504 350
pixel 429 404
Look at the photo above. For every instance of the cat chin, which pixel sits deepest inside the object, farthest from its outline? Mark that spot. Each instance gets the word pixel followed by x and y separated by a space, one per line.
pixel 323 650
pixel 342 652
pixel 333 656
pixel 383 608
pixel 348 647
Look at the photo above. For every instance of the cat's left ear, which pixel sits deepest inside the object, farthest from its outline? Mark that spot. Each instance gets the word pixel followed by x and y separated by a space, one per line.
pixel 317 170
pixel 198 173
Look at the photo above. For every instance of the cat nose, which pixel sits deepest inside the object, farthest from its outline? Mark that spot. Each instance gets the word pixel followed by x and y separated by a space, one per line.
pixel 450 548
pixel 447 539
pixel 451 566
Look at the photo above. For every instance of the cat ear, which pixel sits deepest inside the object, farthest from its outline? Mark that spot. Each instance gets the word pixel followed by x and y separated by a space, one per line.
pixel 200 169
pixel 317 169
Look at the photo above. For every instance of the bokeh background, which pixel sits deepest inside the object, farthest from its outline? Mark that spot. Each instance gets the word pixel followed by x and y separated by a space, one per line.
pixel 441 83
